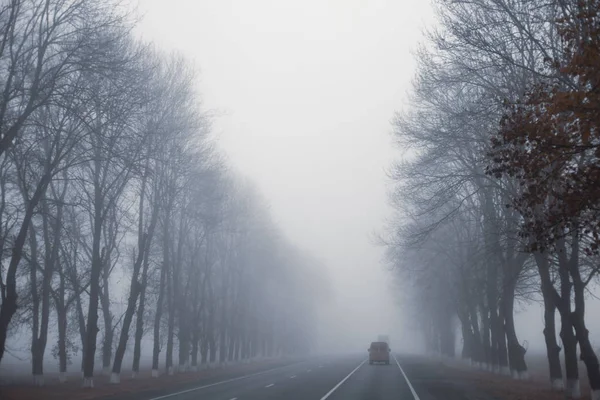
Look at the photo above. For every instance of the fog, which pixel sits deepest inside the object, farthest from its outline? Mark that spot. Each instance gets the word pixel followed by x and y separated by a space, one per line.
pixel 304 92
pixel 189 184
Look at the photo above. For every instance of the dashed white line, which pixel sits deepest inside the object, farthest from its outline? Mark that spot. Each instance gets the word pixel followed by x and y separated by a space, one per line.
pixel 410 386
pixel 272 384
pixel 218 383
pixel 235 398
pixel 292 377
pixel 308 370
pixel 344 380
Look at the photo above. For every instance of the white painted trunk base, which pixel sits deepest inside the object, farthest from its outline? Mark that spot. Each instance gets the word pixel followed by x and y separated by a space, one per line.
pixel 505 371
pixel 524 375
pixel 38 380
pixel 155 373
pixel 573 388
pixel 88 382
pixel 558 384
pixel 514 374
pixel 596 395
pixel 133 375
pixel 170 371
pixel 62 377
pixel 115 378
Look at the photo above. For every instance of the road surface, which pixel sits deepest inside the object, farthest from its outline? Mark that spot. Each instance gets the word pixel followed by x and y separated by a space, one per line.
pixel 325 378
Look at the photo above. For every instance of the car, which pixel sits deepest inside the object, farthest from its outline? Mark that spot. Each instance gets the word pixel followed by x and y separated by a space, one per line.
pixel 379 352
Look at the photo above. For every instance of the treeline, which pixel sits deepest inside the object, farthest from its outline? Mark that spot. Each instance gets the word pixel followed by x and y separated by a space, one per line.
pixel 111 188
pixel 497 198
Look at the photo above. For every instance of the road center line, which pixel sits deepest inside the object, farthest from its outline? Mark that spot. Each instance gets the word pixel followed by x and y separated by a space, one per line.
pixel 166 396
pixel 272 384
pixel 343 380
pixel 292 377
pixel 410 386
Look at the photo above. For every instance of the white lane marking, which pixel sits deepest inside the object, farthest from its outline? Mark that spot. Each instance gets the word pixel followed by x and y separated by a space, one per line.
pixel 235 398
pixel 343 380
pixel 410 386
pixel 308 370
pixel 166 396
pixel 272 384
pixel 292 377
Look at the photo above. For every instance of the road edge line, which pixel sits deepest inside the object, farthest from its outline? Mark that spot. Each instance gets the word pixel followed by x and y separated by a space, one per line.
pixel 410 386
pixel 342 381
pixel 166 396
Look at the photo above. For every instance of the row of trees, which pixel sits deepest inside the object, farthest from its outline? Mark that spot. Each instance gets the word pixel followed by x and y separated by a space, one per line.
pixel 111 188
pixel 497 200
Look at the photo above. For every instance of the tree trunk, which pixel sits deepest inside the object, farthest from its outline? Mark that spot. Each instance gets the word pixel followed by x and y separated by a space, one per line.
pixel 195 348
pixel 61 314
pixel 171 324
pixel 223 346
pixel 588 356
pixel 92 323
pixel 567 335
pixel 37 359
pixel 516 352
pixel 230 348
pixel 108 319
pixel 485 335
pixel 134 290
pixel 569 341
pixel 124 336
pixel 82 332
pixel 549 294
pixel 204 351
pixel 62 342
pixel 8 308
pixel 236 350
pixel 492 305
pixel 501 337
pixel 184 346
pixel 157 319
pixel 552 348
pixel 477 348
pixel 139 322
pixel 42 340
pixel 213 348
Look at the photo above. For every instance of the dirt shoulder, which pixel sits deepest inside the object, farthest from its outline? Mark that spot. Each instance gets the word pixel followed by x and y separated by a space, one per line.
pixel 72 390
pixel 502 387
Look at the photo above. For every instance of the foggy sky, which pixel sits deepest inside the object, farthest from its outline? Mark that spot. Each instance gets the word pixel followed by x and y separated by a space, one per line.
pixel 306 90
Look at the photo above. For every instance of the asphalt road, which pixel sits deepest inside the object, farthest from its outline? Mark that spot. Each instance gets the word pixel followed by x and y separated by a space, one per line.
pixel 326 378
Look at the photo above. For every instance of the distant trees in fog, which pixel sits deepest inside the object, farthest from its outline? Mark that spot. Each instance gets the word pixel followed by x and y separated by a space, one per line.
pixel 498 201
pixel 110 186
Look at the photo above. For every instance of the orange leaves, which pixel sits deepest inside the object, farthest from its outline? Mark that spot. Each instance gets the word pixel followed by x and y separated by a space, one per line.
pixel 550 140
